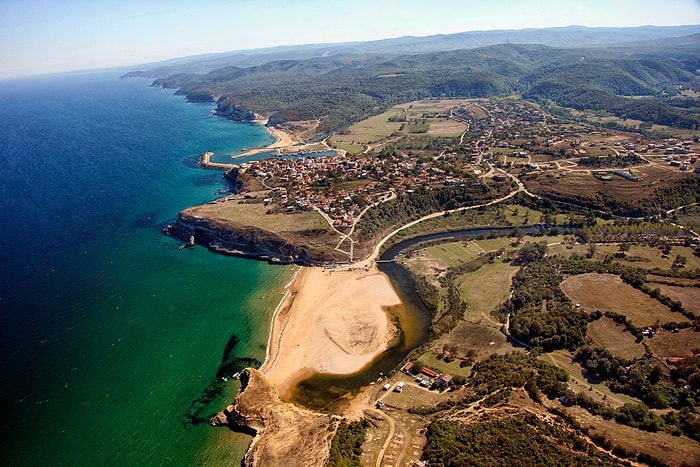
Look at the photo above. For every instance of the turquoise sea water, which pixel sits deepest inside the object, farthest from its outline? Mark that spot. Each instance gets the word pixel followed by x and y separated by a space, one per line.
pixel 109 333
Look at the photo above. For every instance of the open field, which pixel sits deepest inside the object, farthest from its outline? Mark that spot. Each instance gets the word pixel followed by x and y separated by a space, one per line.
pixel 673 450
pixel 688 296
pixel 647 257
pixel 683 343
pixel 483 338
pixel 607 292
pixel 608 334
pixel 425 117
pixel 583 183
pixel 485 289
pixel 244 212
pixel 446 127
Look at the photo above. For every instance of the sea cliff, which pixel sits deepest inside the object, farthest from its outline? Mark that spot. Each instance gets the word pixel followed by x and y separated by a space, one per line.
pixel 284 434
pixel 243 226
pixel 249 241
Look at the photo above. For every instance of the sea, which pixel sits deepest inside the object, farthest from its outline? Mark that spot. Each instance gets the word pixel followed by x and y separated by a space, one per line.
pixel 114 340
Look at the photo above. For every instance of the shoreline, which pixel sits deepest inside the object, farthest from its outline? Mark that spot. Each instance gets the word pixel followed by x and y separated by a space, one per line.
pixel 271 328
pixel 343 336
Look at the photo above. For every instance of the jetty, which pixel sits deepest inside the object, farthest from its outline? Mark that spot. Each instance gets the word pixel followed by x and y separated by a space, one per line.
pixel 205 162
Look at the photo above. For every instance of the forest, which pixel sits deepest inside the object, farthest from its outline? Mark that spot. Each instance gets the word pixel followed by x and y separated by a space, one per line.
pixel 641 81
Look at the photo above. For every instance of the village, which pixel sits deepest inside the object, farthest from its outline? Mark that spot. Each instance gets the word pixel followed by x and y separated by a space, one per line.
pixel 496 137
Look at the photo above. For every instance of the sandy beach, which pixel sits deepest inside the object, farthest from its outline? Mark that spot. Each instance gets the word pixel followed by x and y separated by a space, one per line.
pixel 329 322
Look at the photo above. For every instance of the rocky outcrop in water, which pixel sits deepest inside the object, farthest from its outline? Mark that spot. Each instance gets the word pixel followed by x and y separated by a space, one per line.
pixel 284 434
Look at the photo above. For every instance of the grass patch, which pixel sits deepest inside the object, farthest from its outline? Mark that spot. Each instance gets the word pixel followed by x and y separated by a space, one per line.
pixel 255 214
pixel 647 257
pixel 483 290
pixel 675 344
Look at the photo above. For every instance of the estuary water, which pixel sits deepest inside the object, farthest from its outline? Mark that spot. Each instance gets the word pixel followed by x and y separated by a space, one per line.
pixel 111 336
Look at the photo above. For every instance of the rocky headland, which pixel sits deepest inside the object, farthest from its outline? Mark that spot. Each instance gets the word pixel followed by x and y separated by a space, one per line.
pixel 226 236
pixel 284 433
pixel 242 225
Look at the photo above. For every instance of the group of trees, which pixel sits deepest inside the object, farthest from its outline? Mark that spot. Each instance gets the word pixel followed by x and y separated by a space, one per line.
pixel 346 446
pixel 501 442
pixel 413 205
pixel 540 313
pixel 610 161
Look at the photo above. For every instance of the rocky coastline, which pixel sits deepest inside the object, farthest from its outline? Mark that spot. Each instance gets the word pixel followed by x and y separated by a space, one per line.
pixel 228 237
pixel 283 434
pixel 247 241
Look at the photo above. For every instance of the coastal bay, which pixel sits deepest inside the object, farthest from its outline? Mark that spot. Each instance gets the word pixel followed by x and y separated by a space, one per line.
pixel 111 335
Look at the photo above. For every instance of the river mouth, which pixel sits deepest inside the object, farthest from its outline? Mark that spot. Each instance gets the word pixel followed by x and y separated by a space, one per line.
pixel 330 393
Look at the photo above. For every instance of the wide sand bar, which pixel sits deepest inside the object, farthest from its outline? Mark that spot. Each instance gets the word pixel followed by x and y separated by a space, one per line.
pixel 329 322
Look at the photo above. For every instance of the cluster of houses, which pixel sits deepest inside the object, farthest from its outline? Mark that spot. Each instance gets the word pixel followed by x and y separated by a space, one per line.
pixel 307 182
pixel 341 187
pixel 427 377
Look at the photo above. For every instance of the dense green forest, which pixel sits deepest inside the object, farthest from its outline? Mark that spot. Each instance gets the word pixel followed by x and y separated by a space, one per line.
pixel 346 87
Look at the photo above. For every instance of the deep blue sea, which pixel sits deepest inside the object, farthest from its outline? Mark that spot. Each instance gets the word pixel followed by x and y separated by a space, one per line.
pixel 111 336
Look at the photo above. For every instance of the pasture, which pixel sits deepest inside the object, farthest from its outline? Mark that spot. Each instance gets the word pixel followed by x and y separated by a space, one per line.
pixel 683 343
pixel 607 292
pixel 608 334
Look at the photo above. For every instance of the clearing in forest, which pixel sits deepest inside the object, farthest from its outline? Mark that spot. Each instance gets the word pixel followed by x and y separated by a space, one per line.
pixel 607 292
pixel 608 334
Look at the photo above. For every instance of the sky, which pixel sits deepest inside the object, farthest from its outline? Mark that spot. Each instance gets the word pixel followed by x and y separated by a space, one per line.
pixel 47 36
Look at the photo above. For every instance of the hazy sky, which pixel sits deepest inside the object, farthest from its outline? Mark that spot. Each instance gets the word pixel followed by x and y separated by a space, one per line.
pixel 41 36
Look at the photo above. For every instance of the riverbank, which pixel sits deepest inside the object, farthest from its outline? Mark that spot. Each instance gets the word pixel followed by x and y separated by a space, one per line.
pixel 329 322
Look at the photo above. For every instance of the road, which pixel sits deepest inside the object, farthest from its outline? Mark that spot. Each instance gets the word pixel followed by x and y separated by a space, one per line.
pixel 389 438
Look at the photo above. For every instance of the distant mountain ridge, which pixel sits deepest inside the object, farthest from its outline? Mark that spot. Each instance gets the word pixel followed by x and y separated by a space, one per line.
pixel 338 88
pixel 568 36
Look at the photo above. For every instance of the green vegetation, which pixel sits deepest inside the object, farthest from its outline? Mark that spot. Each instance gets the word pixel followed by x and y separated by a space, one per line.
pixel 412 206
pixel 501 442
pixel 339 89
pixel 346 446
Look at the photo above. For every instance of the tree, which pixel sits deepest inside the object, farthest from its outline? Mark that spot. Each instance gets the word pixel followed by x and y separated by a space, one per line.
pixel 591 250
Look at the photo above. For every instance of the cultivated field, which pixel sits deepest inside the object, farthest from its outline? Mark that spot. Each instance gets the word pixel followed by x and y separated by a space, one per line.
pixel 608 334
pixel 427 116
pixel 607 292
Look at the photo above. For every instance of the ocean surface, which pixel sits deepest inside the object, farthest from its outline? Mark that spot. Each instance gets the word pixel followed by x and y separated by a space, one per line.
pixel 111 336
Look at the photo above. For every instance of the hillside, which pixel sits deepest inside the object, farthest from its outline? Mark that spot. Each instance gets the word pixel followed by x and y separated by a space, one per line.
pixel 638 80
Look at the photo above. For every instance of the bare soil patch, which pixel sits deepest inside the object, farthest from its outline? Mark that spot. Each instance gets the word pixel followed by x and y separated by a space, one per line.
pixel 607 292
pixel 675 344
